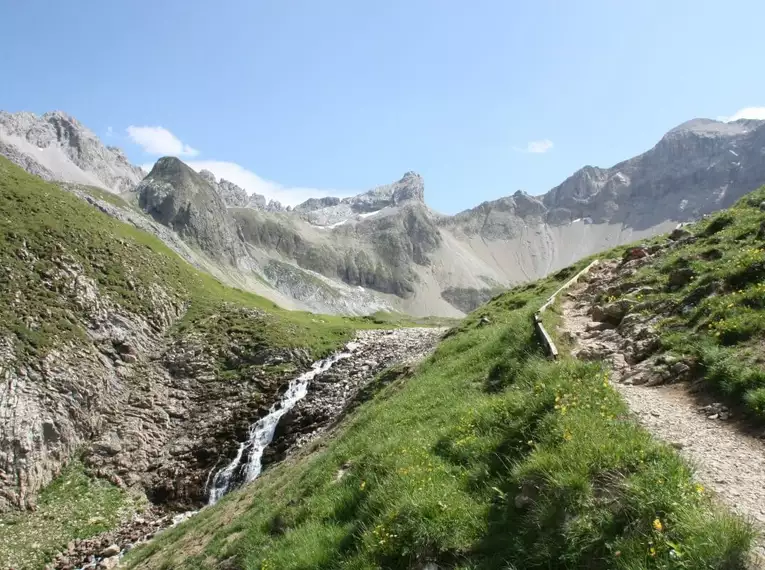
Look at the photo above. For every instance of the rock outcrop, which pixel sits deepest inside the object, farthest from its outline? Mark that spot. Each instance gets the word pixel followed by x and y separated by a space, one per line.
pixel 92 363
pixel 696 168
pixel 330 211
pixel 236 197
pixel 176 196
pixel 56 146
pixel 348 383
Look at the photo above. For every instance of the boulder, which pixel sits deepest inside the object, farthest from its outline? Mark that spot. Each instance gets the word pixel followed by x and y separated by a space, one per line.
pixel 680 370
pixel 634 253
pixel 644 348
pixel 108 563
pixel 678 234
pixel 681 277
pixel 110 551
pixel 612 312
pixel 597 326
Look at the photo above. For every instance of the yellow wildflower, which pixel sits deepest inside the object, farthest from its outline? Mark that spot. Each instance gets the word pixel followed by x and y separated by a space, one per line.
pixel 657 525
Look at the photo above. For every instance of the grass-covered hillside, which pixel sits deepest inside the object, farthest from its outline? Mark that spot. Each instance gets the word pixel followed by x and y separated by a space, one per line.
pixel 710 293
pixel 74 506
pixel 489 456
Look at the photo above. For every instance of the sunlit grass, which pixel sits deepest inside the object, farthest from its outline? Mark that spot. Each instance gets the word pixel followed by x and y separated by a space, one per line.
pixel 73 506
pixel 490 456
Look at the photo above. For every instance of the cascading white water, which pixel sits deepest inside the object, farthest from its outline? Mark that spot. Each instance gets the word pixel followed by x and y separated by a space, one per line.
pixel 262 432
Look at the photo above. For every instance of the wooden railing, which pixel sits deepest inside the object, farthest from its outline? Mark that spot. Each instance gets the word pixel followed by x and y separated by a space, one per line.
pixel 544 336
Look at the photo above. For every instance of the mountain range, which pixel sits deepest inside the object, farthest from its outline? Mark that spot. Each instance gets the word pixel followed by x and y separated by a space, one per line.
pixel 385 249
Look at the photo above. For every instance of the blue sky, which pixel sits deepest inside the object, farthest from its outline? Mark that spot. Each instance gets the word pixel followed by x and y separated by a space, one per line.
pixel 293 98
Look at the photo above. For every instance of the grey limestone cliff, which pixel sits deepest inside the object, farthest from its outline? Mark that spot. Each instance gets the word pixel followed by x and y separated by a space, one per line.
pixel 56 146
pixel 176 196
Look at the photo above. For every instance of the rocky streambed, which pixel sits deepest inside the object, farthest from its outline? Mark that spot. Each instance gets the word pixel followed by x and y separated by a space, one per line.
pixel 342 386
pixel 335 386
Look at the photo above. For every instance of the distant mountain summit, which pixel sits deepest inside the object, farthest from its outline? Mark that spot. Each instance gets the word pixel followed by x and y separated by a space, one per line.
pixel 384 248
pixel 56 146
pixel 236 197
pixel 187 202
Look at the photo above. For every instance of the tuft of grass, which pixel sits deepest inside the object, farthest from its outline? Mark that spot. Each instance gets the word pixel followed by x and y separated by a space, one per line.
pixel 490 456
pixel 73 506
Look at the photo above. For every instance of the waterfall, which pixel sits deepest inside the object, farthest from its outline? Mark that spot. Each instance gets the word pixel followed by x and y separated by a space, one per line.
pixel 246 465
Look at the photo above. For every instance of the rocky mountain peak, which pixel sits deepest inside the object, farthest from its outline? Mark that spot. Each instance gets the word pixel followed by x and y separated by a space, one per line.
pixel 410 187
pixel 317 203
pixel 577 189
pixel 208 176
pixel 330 210
pixel 185 201
pixel 233 195
pixel 712 128
pixel 172 166
pixel 58 147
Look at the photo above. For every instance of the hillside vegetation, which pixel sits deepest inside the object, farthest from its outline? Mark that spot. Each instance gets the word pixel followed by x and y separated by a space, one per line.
pixel 709 291
pixel 489 456
pixel 74 506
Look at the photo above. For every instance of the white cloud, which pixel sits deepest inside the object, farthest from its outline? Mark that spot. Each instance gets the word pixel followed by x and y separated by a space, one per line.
pixel 745 113
pixel 159 141
pixel 252 183
pixel 109 132
pixel 536 147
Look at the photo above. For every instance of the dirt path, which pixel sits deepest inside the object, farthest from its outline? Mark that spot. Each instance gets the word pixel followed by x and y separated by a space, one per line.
pixel 728 462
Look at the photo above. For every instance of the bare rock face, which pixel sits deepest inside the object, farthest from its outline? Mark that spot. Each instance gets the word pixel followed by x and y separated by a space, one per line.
pixel 145 409
pixel 56 146
pixel 696 168
pixel 233 196
pixel 79 393
pixel 176 196
pixel 329 211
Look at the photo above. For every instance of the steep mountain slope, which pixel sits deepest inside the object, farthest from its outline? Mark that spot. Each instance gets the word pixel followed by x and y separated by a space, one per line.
pixel 385 249
pixel 56 146
pixel 388 240
pixel 702 305
pixel 681 323
pixel 176 196
pixel 698 167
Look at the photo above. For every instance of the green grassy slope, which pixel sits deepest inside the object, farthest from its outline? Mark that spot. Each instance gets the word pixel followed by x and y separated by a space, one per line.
pixel 74 506
pixel 710 291
pixel 489 457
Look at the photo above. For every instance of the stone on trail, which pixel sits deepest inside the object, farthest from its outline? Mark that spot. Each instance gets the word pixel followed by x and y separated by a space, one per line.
pixel 109 551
